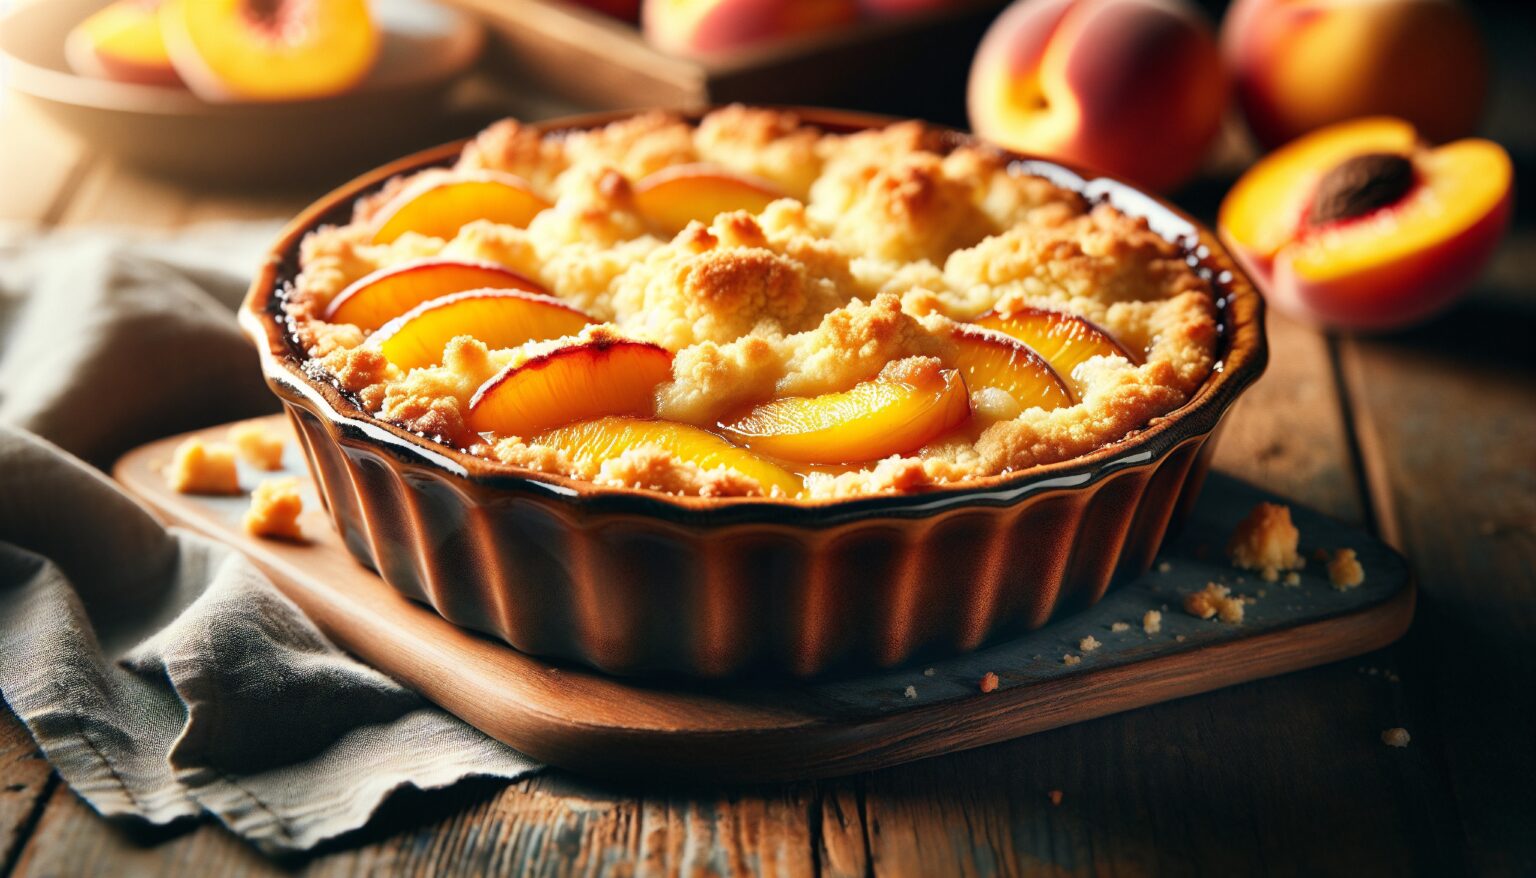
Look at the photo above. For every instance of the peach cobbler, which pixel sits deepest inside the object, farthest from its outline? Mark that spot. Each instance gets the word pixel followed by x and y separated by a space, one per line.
pixel 751 306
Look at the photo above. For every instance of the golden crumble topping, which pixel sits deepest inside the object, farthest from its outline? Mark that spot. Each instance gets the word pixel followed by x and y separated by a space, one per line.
pixel 1214 601
pixel 1345 570
pixel 1267 541
pixel 1152 622
pixel 199 467
pixel 258 445
pixel 274 510
pixel 868 255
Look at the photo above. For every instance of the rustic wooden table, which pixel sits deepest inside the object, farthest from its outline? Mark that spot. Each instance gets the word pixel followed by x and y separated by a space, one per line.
pixel 1429 438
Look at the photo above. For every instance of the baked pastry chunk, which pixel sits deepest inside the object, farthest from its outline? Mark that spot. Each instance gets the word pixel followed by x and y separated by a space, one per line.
pixel 751 306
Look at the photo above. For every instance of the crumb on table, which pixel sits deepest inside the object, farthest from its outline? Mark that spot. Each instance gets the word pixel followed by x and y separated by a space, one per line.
pixel 929 672
pixel 1292 578
pixel 258 445
pixel 910 692
pixel 199 467
pixel 1164 567
pixel 989 682
pixel 1215 600
pixel 1089 644
pixel 1344 570
pixel 1054 796
pixel 1069 659
pixel 1152 622
pixel 1266 541
pixel 275 508
pixel 1397 737
pixel 1118 627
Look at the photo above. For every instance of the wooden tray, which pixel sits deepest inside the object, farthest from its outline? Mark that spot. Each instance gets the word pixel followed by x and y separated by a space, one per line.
pixel 913 65
pixel 590 723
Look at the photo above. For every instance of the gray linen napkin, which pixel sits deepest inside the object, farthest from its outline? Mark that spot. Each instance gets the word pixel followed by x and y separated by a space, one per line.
pixel 161 673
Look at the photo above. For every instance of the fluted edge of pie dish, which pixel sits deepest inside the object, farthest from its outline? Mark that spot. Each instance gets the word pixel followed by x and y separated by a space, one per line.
pixel 632 581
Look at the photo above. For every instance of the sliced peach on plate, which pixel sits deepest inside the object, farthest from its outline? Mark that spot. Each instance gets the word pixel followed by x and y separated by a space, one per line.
pixel 500 318
pixel 673 197
pixel 892 414
pixel 122 41
pixel 270 50
pixel 604 376
pixel 440 209
pixel 380 297
pixel 1063 340
pixel 590 442
pixel 988 358
pixel 719 27
pixel 1361 226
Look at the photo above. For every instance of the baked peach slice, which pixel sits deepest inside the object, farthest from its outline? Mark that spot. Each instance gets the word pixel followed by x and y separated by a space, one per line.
pixel 590 442
pixel 122 41
pixel 1065 341
pixel 1360 225
pixel 897 412
pixel 440 209
pixel 603 376
pixel 673 197
pixel 377 298
pixel 270 50
pixel 988 358
pixel 500 318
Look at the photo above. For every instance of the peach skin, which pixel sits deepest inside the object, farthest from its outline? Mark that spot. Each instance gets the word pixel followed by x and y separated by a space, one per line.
pixel 1301 64
pixel 122 42
pixel 269 50
pixel 1361 226
pixel 1131 88
pixel 375 299
pixel 713 27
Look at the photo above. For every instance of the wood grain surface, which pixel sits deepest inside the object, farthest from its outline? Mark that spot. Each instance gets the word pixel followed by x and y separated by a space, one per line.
pixel 1425 438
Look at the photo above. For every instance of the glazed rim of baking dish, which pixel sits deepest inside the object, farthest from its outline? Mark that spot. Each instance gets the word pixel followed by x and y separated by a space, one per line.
pixel 1241 357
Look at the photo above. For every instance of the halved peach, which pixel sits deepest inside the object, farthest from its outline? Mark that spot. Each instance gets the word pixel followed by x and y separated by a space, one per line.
pixel 500 318
pixel 376 299
pixel 988 358
pixel 1359 225
pixel 874 419
pixel 439 210
pixel 122 41
pixel 1065 341
pixel 270 50
pixel 589 442
pixel 605 376
pixel 673 197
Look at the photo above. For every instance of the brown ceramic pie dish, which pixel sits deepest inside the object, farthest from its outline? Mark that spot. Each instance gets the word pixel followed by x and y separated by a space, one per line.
pixel 632 581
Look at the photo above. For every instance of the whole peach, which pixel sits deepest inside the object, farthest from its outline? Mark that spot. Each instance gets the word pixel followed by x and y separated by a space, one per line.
pixel 712 27
pixel 1302 64
pixel 1133 88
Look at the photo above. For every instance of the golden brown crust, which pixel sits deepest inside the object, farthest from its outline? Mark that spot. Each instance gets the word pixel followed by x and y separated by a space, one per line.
pixel 1267 541
pixel 888 238
pixel 274 511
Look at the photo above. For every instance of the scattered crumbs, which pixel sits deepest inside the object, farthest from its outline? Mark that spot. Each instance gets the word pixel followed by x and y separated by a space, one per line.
pixel 1069 660
pixel 258 445
pixel 1089 644
pixel 911 692
pixel 1118 627
pixel 1397 737
pixel 1164 567
pixel 1179 638
pixel 1152 622
pixel 1214 601
pixel 1054 796
pixel 989 682
pixel 929 672
pixel 1292 579
pixel 275 508
pixel 199 467
pixel 1344 570
pixel 1266 541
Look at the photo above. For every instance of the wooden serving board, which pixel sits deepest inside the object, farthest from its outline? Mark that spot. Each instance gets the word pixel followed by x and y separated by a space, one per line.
pixel 768 731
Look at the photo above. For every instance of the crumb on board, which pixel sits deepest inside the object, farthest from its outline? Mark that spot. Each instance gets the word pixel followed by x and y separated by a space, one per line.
pixel 1215 600
pixel 989 682
pixel 199 467
pixel 1069 659
pixel 1164 567
pixel 929 672
pixel 1292 579
pixel 1397 737
pixel 1179 638
pixel 1344 570
pixel 910 692
pixel 1266 541
pixel 1089 644
pixel 275 508
pixel 1118 627
pixel 1152 622
pixel 258 445
pixel 1054 796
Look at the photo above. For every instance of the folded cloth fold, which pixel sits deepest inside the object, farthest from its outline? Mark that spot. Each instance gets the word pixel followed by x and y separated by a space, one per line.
pixel 160 672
